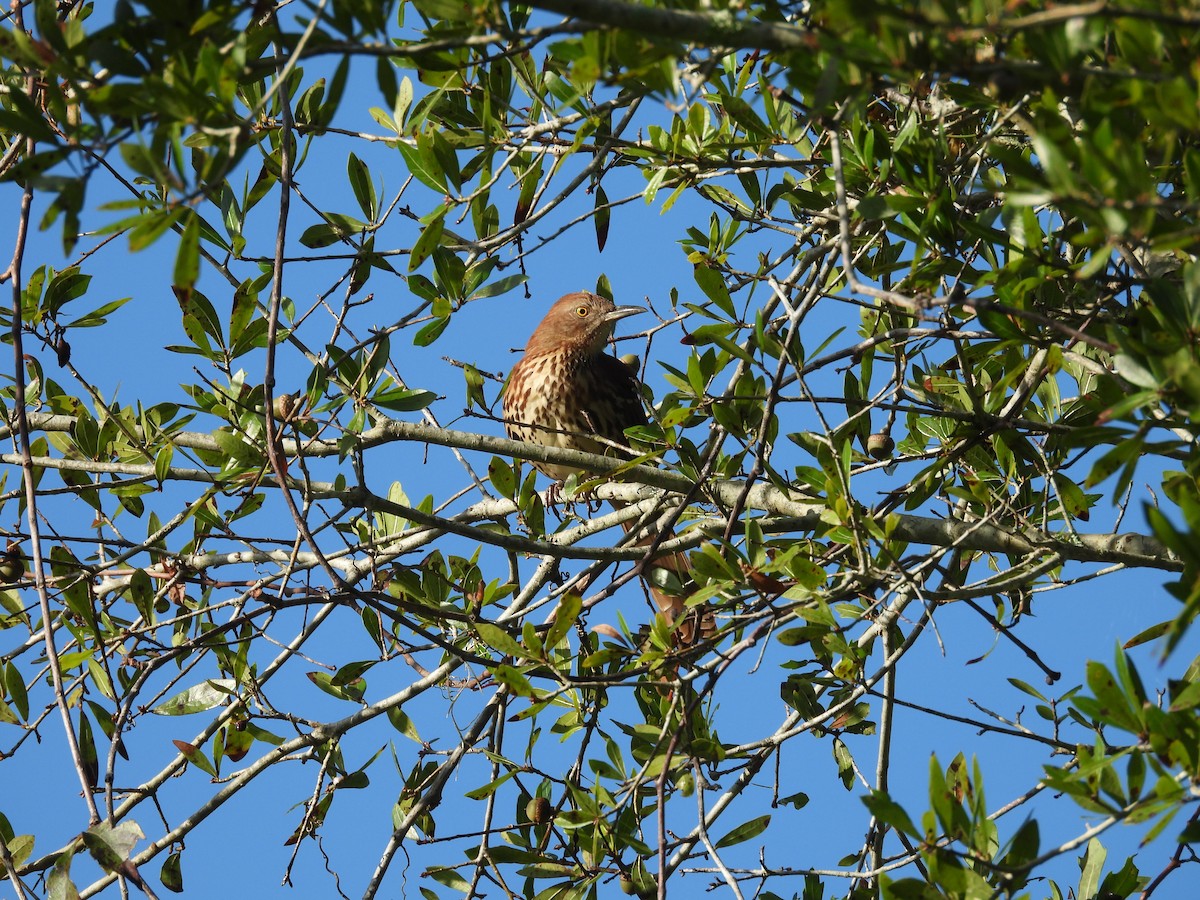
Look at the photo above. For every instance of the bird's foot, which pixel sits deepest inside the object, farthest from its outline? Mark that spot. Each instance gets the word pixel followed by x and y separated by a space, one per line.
pixel 556 496
pixel 556 502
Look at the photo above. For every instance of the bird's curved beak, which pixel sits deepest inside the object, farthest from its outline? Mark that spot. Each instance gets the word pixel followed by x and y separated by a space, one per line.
pixel 621 312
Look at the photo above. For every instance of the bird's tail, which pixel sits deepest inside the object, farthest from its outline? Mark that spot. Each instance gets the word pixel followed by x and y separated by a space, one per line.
pixel 668 579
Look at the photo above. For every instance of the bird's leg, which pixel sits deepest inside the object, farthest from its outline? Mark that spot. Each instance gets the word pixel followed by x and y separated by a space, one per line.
pixel 555 499
pixel 555 496
pixel 558 577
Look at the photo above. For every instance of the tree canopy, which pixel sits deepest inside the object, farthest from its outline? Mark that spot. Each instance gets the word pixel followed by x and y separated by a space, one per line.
pixel 922 365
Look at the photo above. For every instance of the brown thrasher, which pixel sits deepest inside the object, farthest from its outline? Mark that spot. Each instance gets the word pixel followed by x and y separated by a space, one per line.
pixel 567 392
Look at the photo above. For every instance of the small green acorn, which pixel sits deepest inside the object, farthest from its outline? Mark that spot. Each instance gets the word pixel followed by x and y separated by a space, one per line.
pixel 686 784
pixel 12 565
pixel 284 407
pixel 538 811
pixel 638 882
pixel 880 445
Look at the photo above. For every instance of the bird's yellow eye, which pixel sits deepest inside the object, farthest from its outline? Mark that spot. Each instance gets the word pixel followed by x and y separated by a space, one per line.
pixel 581 311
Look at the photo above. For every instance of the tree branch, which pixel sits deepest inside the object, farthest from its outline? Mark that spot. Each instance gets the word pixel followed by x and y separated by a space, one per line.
pixel 720 27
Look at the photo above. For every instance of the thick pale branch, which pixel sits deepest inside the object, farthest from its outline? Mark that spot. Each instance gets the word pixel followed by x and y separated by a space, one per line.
pixel 1130 549
pixel 719 27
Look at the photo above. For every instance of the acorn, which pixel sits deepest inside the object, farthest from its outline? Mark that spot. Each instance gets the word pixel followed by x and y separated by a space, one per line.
pixel 538 811
pixel 638 882
pixel 12 565
pixel 686 784
pixel 880 445
pixel 284 407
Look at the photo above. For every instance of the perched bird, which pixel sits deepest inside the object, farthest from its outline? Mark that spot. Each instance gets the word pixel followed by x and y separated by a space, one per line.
pixel 567 392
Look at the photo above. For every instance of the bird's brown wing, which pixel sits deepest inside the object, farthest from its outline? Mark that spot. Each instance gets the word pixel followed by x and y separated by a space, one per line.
pixel 624 409
pixel 615 401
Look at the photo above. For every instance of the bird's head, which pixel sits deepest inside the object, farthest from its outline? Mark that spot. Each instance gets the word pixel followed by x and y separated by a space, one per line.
pixel 581 321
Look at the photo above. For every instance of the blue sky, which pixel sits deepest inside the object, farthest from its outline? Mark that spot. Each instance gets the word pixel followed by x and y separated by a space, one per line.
pixel 241 848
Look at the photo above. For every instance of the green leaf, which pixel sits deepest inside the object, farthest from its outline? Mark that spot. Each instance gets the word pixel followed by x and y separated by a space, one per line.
pixel 502 477
pixel 403 724
pixel 451 879
pixel 323 234
pixel 363 186
pixel 1028 689
pixel 7 716
pixel 245 306
pixel 162 463
pixel 499 639
pixel 14 685
pixel 403 399
pixel 58 883
pixel 187 257
pixel 891 813
pixel 20 116
pixel 98 316
pixel 600 218
pixel 351 672
pixel 196 757
pixel 1093 869
pixel 713 284
pixel 111 845
pixel 743 114
pixel 500 286
pixel 1024 845
pixel 431 332
pixel 146 226
pixel 335 228
pixel 20 848
pixel 845 763
pixel 1187 698
pixel 745 832
pixel 423 165
pixel 199 310
pixel 171 873
pixel 513 680
pixel 198 698
pixel 482 793
pixel 1135 371
pixel 100 677
pixel 404 98
pixel 430 239
pixel 352 691
pixel 1001 325
pixel 796 801
pixel 308 107
pixel 1114 705
pixel 1146 635
pixel 237 448
pixel 66 285
pixel 529 184
pixel 654 182
pixel 569 608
